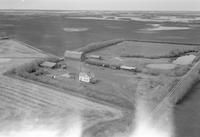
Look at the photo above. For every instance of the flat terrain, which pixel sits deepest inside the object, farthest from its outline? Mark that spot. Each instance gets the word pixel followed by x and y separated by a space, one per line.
pixel 117 91
pixel 12 49
pixel 47 30
pixel 21 101
pixel 56 31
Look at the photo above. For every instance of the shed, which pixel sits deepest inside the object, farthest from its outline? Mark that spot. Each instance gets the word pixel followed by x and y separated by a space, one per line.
pixel 48 64
pixel 95 57
pixel 130 68
pixel 74 55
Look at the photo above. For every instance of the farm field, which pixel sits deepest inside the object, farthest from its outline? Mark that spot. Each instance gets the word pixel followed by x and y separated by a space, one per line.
pixel 46 29
pixel 12 49
pixel 110 103
pixel 25 103
pixel 13 54
pixel 118 90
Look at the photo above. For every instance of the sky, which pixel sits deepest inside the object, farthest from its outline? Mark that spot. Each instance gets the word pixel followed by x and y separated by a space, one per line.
pixel 169 5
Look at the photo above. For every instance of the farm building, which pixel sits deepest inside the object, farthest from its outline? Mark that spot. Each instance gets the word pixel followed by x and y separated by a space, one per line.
pixel 48 64
pixel 130 68
pixel 95 57
pixel 76 55
pixel 87 77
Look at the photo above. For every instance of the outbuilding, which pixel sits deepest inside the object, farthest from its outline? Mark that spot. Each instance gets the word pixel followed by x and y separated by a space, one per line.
pixel 130 68
pixel 95 57
pixel 48 64
pixel 76 55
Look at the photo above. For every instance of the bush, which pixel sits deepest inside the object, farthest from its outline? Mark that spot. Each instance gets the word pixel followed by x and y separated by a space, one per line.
pixel 30 70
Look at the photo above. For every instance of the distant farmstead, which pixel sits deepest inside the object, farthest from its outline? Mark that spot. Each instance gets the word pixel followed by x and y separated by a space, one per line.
pixel 48 64
pixel 76 55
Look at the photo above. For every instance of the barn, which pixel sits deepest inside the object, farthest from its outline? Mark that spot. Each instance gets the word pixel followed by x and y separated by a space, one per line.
pixel 76 55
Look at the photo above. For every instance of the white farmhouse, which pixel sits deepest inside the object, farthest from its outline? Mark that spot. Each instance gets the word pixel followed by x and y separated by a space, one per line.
pixel 86 77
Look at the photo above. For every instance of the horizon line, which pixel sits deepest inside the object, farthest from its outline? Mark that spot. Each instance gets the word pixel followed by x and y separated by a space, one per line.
pixel 18 9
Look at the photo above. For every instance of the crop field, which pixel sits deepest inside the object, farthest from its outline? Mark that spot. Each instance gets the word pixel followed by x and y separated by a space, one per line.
pixel 22 101
pixel 12 49
pixel 110 105
pixel 32 101
pixel 104 108
pixel 44 30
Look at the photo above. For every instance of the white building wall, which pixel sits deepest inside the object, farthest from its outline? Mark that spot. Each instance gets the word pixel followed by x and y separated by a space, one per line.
pixel 84 79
